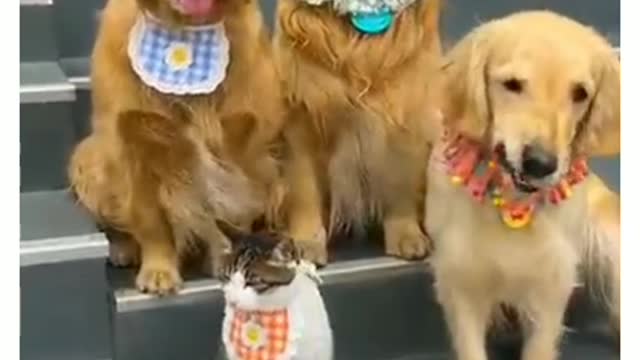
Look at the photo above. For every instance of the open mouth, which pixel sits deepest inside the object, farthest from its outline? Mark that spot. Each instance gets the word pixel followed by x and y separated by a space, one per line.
pixel 521 183
pixel 519 180
pixel 194 8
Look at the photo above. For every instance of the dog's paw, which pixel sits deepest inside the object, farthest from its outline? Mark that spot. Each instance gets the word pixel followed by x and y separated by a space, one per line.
pixel 407 242
pixel 124 253
pixel 159 279
pixel 315 248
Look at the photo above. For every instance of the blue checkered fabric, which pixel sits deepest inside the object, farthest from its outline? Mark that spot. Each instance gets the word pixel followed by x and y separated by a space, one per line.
pixel 209 56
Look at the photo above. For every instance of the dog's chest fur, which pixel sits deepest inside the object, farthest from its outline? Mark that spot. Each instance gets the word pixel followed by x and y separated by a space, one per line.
pixel 473 244
pixel 364 142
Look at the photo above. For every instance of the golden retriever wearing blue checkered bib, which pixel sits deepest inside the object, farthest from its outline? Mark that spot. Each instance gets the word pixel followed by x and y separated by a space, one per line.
pixel 186 114
pixel 184 61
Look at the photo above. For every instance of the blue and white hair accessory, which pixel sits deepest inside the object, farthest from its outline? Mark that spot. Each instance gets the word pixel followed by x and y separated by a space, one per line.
pixel 189 60
pixel 363 6
pixel 371 17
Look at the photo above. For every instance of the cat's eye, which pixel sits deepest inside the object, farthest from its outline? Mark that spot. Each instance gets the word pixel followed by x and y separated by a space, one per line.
pixel 251 279
pixel 257 284
pixel 261 287
pixel 278 262
pixel 513 85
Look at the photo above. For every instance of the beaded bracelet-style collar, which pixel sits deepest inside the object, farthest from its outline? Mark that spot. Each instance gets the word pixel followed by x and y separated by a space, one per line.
pixel 480 174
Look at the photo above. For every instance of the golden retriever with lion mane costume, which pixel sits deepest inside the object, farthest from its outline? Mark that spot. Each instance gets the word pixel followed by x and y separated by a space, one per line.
pixel 358 79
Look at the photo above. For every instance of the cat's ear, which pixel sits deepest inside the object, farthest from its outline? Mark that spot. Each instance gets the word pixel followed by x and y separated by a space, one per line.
pixel 234 234
pixel 285 251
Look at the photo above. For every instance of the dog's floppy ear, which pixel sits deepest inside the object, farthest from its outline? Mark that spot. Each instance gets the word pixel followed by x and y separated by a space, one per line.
pixel 602 128
pixel 466 106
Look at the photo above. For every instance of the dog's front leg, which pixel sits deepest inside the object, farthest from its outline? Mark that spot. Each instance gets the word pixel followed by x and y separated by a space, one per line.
pixel 154 153
pixel 546 305
pixel 304 208
pixel 403 235
pixel 159 272
pixel 467 314
pixel 303 201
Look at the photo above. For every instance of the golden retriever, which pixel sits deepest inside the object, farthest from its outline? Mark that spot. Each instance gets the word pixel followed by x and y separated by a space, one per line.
pixel 358 123
pixel 161 165
pixel 535 92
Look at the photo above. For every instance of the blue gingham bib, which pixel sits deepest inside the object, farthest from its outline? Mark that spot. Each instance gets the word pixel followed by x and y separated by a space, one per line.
pixel 188 60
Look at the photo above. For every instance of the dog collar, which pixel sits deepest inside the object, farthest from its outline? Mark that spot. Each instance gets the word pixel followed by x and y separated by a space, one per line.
pixel 187 60
pixel 482 177
pixel 370 17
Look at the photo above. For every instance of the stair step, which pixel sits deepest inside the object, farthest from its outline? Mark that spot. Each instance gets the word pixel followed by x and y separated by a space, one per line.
pixel 75 26
pixel 36 2
pixel 47 130
pixel 37 41
pixel 77 71
pixel 44 82
pixel 63 249
pixel 53 229
pixel 47 137
pixel 380 308
pixel 352 294
pixel 63 289
pixel 64 312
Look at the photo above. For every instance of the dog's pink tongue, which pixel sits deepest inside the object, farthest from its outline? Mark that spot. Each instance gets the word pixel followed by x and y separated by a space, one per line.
pixel 198 8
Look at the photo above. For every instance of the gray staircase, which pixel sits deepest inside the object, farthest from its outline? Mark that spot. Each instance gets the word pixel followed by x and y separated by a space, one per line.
pixel 63 288
pixel 74 306
pixel 380 309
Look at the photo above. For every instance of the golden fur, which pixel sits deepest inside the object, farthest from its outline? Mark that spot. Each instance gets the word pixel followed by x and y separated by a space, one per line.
pixel 479 263
pixel 160 169
pixel 359 123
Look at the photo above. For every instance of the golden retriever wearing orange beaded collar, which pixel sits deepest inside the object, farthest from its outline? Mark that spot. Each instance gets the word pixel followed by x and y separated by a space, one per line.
pixel 528 97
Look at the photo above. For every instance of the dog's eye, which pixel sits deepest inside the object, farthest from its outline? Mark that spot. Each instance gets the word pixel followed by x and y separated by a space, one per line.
pixel 513 85
pixel 579 94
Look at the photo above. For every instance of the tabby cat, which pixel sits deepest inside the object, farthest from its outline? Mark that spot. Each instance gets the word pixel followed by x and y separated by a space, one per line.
pixel 273 310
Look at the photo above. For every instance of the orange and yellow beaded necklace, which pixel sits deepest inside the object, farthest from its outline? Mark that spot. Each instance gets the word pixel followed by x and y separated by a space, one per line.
pixel 470 167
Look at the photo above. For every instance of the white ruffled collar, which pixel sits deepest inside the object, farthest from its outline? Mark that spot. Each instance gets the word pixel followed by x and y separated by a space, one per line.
pixel 363 6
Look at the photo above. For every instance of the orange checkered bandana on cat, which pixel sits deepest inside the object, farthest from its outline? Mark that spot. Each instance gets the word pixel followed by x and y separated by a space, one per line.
pixel 260 335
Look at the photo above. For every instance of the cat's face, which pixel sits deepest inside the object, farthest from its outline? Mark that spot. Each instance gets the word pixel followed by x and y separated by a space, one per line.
pixel 265 259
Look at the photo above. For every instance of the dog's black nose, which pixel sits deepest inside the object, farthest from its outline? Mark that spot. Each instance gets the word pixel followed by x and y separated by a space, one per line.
pixel 537 162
